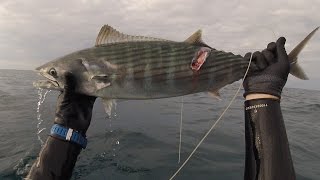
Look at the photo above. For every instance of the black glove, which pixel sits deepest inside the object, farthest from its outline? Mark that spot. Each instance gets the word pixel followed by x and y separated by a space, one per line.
pixel 272 70
pixel 74 110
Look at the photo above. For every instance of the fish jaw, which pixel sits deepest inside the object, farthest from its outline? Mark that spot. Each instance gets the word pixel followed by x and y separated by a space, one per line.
pixel 50 82
pixel 47 84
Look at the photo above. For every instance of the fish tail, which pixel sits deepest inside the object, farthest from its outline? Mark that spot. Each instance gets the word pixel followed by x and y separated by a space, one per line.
pixel 295 69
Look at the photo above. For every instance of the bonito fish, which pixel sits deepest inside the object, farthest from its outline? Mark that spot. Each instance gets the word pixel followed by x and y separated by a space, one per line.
pixel 122 66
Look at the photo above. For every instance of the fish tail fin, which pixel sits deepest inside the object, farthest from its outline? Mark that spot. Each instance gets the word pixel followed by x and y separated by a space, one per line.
pixel 295 69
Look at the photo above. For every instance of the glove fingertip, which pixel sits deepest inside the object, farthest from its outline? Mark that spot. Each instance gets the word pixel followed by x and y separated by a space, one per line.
pixel 281 41
pixel 281 51
pixel 271 46
pixel 247 55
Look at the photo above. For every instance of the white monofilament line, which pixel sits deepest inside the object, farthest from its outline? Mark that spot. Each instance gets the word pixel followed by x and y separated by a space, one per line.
pixel 181 113
pixel 214 125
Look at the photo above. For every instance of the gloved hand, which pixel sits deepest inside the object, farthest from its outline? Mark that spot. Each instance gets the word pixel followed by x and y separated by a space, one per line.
pixel 272 70
pixel 74 110
pixel 57 157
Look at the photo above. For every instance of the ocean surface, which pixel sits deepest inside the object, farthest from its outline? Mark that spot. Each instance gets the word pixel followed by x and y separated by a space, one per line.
pixel 140 140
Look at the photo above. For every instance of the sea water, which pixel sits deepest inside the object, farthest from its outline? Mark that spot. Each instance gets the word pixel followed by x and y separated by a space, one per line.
pixel 142 140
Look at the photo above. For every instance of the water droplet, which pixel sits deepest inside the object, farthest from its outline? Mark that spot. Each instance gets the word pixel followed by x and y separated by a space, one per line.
pixel 42 97
pixel 103 154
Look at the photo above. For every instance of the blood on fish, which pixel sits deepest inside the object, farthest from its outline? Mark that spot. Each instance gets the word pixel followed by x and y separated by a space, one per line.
pixel 201 57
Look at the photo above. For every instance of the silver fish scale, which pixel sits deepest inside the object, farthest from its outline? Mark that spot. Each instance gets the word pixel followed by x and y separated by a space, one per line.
pixel 140 67
pixel 151 66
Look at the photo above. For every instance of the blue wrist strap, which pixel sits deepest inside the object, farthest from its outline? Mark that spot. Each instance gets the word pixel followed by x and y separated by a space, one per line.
pixel 68 134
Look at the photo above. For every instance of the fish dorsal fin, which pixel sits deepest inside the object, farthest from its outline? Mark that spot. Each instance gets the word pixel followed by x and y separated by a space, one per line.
pixel 109 35
pixel 195 38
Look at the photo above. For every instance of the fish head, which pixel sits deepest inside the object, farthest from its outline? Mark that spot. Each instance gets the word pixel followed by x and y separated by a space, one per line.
pixel 91 75
pixel 54 72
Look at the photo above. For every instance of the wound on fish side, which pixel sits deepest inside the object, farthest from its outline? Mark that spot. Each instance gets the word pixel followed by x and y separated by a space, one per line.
pixel 199 58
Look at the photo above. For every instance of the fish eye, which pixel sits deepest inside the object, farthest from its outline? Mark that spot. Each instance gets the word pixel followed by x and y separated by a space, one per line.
pixel 53 72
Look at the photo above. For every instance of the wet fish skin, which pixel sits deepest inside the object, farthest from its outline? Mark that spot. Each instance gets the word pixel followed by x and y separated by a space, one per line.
pixel 138 67
pixel 145 70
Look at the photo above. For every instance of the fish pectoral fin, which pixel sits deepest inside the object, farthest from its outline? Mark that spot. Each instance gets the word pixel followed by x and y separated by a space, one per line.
pixel 109 35
pixel 101 81
pixel 90 68
pixel 108 105
pixel 101 85
pixel 215 94
pixel 101 77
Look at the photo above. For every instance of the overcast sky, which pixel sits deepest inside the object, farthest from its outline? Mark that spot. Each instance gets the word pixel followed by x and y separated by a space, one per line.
pixel 35 32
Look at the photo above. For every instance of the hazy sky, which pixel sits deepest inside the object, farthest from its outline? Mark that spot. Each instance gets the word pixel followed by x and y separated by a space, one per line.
pixel 35 32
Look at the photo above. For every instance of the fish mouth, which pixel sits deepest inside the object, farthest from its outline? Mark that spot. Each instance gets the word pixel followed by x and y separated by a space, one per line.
pixel 50 79
pixel 50 83
pixel 46 84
